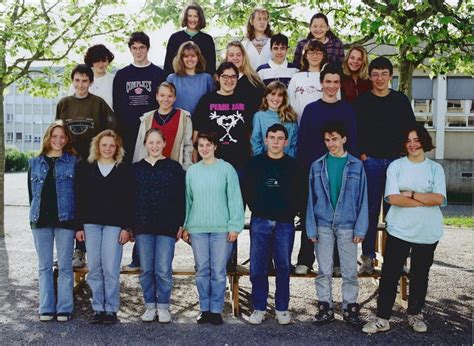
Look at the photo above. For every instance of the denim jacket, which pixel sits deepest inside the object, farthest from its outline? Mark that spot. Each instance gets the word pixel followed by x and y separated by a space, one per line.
pixel 65 173
pixel 352 206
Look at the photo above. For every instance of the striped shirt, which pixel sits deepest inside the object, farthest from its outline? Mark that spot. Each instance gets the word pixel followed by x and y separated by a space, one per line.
pixel 271 71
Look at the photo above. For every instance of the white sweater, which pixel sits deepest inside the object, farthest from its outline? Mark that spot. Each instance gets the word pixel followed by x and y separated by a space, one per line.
pixel 256 59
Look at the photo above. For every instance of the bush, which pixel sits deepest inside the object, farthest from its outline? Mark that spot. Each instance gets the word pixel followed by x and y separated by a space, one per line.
pixel 17 161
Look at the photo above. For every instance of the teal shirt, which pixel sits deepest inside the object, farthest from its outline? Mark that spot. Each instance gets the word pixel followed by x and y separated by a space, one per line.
pixel 335 167
pixel 419 225
pixel 213 199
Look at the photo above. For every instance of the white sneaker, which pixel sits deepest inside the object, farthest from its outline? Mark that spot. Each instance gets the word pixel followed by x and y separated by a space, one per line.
pixel 78 259
pixel 149 315
pixel 257 317
pixel 376 325
pixel 283 317
pixel 164 316
pixel 417 323
pixel 46 317
pixel 301 269
pixel 367 266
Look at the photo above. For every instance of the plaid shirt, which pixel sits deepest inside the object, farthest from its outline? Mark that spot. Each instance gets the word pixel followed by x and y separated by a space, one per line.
pixel 333 47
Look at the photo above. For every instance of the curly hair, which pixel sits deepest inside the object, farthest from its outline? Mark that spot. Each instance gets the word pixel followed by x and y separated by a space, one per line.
pixel 285 111
pixel 96 53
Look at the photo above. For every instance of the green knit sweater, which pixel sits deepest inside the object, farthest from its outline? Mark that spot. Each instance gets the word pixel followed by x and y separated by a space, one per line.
pixel 213 199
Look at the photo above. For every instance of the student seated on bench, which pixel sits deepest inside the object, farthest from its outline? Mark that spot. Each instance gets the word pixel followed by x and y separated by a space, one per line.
pixel 274 191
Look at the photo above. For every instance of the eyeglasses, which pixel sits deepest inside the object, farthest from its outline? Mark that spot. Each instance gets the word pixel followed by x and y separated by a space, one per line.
pixel 226 77
pixel 383 75
pixel 314 53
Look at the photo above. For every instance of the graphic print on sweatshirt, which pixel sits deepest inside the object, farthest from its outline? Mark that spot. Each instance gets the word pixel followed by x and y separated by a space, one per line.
pixel 307 89
pixel 229 120
pixel 138 92
pixel 79 126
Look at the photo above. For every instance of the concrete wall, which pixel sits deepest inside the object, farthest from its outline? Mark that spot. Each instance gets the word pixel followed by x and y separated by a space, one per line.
pixel 459 175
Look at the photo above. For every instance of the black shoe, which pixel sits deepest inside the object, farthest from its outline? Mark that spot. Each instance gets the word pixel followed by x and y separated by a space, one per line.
pixel 352 315
pixel 204 317
pixel 98 317
pixel 110 317
pixel 325 314
pixel 216 318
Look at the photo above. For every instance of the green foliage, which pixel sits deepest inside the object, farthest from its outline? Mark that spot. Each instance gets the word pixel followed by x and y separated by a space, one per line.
pixel 459 221
pixel 17 161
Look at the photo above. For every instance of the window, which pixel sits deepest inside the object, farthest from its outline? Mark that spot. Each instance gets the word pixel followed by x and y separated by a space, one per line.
pixel 36 109
pixel 9 137
pixel 460 96
pixel 18 137
pixel 28 139
pixel 10 117
pixel 28 108
pixel 37 139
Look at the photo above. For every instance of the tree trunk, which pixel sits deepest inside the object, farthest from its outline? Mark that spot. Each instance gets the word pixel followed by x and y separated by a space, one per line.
pixel 2 162
pixel 405 76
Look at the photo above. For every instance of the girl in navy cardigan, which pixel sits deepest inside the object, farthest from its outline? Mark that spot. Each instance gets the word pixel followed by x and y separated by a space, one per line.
pixel 105 216
pixel 160 207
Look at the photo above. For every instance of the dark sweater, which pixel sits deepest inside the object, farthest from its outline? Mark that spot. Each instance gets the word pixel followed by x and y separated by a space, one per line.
pixel 229 118
pixel 104 200
pixel 159 197
pixel 350 90
pixel 134 94
pixel 315 116
pixel 274 188
pixel 381 123
pixel 203 40
pixel 252 94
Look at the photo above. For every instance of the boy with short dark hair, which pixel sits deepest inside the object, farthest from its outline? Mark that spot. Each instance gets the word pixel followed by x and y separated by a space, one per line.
pixel 337 210
pixel 274 192
pixel 85 115
pixel 383 115
pixel 134 90
pixel 278 68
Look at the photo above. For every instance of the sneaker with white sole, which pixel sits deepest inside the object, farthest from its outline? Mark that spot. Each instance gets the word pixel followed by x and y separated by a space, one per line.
pixel 78 259
pixel 257 317
pixel 367 266
pixel 301 269
pixel 376 325
pixel 130 267
pixel 149 315
pixel 418 323
pixel 164 316
pixel 283 317
pixel 46 317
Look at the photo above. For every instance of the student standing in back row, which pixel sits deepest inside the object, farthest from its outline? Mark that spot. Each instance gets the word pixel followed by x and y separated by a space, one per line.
pixel 382 115
pixel 194 21
pixel 257 40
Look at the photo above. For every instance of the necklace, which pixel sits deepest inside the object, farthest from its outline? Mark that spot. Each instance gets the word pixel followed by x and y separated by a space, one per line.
pixel 163 117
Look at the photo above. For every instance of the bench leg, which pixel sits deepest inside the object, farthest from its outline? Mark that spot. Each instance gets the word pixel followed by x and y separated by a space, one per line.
pixel 402 296
pixel 79 281
pixel 234 294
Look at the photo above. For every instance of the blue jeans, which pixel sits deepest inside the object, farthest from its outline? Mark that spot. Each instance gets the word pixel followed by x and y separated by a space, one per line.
pixel 348 260
pixel 270 239
pixel 156 277
pixel 211 253
pixel 104 254
pixel 375 169
pixel 44 239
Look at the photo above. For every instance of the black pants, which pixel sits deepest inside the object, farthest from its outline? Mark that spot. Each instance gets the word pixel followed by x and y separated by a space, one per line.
pixel 396 253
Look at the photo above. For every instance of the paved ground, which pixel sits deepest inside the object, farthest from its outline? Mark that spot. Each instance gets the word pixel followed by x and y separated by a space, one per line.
pixel 448 307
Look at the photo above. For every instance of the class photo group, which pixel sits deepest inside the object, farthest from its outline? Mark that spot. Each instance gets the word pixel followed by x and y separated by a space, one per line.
pixel 156 156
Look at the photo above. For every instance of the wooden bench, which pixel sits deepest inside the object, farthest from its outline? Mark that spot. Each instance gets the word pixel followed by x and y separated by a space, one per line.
pixel 243 270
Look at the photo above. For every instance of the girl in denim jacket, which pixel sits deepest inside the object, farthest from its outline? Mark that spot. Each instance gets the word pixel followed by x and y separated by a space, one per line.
pixel 51 193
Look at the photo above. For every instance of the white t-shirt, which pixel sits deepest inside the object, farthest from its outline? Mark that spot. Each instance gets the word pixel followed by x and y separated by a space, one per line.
pixel 102 87
pixel 419 225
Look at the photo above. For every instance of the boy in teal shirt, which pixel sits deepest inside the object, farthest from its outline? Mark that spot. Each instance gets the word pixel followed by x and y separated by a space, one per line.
pixel 337 210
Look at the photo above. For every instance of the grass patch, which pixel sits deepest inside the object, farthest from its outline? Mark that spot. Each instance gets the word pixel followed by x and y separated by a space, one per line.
pixel 459 221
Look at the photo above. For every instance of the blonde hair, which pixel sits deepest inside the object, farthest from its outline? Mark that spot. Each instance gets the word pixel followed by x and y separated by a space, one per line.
pixel 285 111
pixel 363 72
pixel 46 145
pixel 246 68
pixel 251 30
pixel 178 64
pixel 94 154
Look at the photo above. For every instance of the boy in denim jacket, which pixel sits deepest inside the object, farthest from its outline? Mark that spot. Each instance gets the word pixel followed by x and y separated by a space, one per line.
pixel 337 209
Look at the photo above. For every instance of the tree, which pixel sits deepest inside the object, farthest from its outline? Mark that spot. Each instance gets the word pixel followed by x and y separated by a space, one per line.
pixel 35 36
pixel 431 34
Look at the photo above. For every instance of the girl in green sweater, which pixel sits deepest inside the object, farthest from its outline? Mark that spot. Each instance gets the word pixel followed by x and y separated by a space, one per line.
pixel 214 219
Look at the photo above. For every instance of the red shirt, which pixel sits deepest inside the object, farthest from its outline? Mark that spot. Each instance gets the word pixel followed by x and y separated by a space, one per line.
pixel 351 89
pixel 170 128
